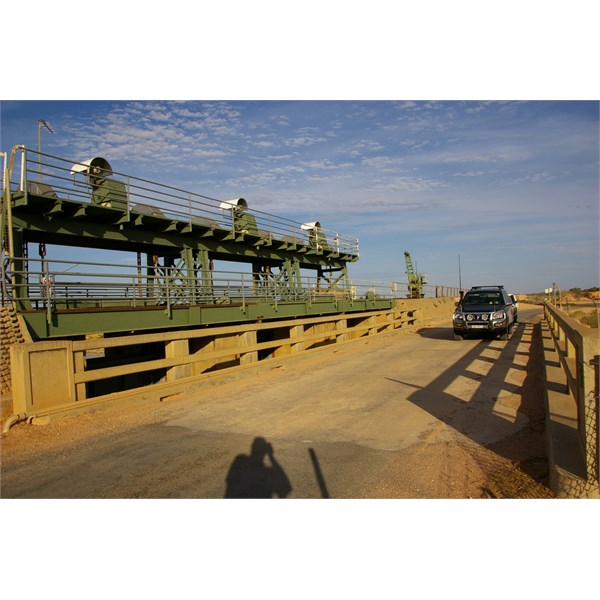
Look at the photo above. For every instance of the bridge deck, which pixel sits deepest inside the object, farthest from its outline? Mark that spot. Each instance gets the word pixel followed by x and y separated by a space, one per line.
pixel 379 426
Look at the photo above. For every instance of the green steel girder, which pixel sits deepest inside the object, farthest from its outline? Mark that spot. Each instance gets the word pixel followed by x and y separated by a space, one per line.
pixel 79 322
pixel 79 224
pixel 188 250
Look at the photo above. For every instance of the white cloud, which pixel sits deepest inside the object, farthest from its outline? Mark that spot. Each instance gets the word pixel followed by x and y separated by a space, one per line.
pixel 205 153
pixel 304 140
pixel 469 174
pixel 325 164
pixel 385 163
pixel 408 184
pixel 528 178
pixel 159 115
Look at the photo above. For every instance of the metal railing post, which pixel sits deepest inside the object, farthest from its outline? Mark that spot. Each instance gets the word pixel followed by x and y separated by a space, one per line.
pixel 24 170
pixel 46 288
pixel 243 294
pixel 168 295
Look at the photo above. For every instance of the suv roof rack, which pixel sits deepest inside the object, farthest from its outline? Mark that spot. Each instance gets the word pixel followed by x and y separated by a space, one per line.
pixel 479 287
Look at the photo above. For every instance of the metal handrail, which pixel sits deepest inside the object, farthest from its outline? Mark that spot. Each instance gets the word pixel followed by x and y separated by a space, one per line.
pixel 67 281
pixel 51 283
pixel 170 201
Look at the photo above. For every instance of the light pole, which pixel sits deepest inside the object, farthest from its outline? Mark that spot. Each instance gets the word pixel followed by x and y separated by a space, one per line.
pixel 555 289
pixel 41 123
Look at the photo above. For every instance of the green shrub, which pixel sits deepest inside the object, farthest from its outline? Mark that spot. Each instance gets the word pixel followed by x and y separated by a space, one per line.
pixel 586 317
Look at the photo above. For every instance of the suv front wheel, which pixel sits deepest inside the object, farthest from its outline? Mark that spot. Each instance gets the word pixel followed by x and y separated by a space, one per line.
pixel 505 335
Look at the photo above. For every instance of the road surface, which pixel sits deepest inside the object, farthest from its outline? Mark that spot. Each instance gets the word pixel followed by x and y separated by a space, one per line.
pixel 400 415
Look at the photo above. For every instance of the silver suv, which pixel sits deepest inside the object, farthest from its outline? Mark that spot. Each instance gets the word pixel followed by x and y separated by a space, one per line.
pixel 485 309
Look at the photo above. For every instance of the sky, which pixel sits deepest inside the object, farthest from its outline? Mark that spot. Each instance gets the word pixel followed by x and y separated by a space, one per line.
pixel 505 190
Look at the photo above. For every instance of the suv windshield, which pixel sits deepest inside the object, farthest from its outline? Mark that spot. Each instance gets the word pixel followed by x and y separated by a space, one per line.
pixel 491 298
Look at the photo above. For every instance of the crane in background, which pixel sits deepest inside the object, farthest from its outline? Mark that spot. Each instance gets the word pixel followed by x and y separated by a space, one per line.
pixel 416 281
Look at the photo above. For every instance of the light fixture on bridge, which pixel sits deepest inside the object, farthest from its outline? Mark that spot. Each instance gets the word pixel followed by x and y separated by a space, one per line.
pixel 231 204
pixel 316 237
pixel 92 166
pixel 310 226
pixel 105 190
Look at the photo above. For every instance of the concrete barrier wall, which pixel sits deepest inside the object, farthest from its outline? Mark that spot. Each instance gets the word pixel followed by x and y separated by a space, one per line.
pixel 431 309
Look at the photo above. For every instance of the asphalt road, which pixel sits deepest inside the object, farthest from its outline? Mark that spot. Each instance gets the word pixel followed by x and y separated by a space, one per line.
pixel 401 415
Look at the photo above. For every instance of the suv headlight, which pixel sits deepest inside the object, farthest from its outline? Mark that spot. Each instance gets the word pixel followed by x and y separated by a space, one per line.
pixel 457 316
pixel 499 315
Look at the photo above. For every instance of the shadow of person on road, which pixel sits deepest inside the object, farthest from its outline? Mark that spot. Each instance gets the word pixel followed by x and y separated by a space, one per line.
pixel 250 477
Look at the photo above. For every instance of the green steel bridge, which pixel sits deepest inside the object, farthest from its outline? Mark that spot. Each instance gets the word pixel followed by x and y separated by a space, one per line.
pixel 172 239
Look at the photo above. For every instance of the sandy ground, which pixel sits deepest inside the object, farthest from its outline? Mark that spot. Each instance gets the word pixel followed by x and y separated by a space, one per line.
pixel 402 415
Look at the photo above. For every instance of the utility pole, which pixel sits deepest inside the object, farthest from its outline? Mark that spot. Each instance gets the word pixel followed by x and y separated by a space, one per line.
pixel 41 123
pixel 459 275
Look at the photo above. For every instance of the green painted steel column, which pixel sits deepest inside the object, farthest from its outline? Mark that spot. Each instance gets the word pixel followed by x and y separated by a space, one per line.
pixel 150 274
pixel 296 278
pixel 189 283
pixel 19 268
pixel 206 282
pixel 291 277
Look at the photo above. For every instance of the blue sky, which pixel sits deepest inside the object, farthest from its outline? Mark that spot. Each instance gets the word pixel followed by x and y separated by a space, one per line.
pixel 511 187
